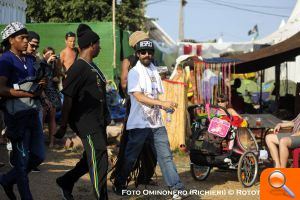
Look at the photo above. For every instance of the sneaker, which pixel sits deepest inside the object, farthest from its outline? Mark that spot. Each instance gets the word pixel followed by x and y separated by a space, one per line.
pixel 9 191
pixel 180 194
pixel 36 170
pixel 66 194
pixel 176 197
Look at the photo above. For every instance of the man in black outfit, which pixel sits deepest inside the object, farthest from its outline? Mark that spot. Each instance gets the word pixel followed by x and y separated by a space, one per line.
pixel 85 110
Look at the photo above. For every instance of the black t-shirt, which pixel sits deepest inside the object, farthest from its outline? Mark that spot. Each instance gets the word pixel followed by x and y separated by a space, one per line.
pixel 85 84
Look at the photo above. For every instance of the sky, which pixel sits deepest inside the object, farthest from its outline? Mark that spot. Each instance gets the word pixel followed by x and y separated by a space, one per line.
pixel 210 19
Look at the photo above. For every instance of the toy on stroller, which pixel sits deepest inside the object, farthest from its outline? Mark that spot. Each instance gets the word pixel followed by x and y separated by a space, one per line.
pixel 216 143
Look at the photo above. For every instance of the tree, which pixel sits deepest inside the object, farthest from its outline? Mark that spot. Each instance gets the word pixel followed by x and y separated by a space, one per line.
pixel 130 14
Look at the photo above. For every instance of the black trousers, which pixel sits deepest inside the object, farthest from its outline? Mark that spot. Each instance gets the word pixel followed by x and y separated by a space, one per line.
pixel 95 161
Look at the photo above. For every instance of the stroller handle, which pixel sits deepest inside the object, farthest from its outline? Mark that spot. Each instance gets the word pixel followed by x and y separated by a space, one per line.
pixel 192 107
pixel 224 109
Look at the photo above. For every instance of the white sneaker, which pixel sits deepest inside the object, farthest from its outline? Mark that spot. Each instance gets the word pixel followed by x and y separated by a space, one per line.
pixel 176 197
pixel 3 131
pixel 9 146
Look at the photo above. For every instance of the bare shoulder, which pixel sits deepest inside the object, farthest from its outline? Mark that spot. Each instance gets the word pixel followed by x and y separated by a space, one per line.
pixel 62 53
pixel 231 111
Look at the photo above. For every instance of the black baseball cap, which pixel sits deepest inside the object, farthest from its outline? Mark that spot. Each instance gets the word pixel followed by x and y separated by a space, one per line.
pixel 144 45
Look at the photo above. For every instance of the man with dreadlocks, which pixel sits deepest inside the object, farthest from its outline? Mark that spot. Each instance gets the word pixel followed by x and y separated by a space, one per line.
pixel 145 121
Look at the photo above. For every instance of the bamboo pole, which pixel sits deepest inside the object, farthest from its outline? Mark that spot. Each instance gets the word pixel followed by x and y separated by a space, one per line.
pixel 114 32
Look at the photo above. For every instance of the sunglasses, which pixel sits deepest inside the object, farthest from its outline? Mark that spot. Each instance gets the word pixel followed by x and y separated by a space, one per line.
pixel 144 52
pixel 221 101
pixel 34 46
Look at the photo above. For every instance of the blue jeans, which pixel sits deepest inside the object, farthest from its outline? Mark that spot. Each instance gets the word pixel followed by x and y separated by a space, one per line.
pixel 27 154
pixel 158 139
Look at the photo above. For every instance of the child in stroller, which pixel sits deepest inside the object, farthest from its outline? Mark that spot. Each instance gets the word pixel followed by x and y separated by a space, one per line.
pixel 237 149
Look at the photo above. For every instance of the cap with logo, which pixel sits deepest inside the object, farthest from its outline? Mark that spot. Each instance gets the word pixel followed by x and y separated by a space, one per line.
pixel 144 45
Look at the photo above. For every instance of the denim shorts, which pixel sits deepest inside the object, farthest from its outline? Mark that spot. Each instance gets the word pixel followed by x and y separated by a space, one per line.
pixel 295 139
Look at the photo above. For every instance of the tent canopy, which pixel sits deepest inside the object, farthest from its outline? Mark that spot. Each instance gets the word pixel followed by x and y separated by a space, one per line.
pixel 268 56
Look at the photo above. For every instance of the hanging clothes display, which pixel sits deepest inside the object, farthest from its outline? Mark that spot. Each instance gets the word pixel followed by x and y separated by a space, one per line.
pixel 213 78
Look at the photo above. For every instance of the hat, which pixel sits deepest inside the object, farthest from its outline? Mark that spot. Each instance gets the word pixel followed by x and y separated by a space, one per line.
pixel 136 37
pixel 86 36
pixel 144 45
pixel 13 28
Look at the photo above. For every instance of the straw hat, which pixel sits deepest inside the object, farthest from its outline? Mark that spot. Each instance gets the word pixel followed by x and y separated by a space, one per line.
pixel 136 37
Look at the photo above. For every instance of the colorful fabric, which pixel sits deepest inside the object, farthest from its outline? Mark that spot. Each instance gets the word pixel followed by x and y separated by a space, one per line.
pixel 236 121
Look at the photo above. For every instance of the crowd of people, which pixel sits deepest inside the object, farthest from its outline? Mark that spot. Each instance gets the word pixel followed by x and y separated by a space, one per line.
pixel 29 90
pixel 31 85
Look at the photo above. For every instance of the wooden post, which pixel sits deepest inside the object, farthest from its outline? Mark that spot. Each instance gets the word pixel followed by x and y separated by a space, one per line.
pixel 277 85
pixel 114 32
pixel 297 100
pixel 181 20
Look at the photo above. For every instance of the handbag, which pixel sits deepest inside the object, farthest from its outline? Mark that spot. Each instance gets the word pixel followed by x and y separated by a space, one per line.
pixel 217 126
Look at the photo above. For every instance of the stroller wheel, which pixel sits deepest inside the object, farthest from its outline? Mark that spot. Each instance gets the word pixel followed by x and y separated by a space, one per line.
pixel 199 173
pixel 247 169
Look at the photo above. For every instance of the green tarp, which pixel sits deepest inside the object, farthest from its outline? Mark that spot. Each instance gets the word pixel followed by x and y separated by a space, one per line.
pixel 53 34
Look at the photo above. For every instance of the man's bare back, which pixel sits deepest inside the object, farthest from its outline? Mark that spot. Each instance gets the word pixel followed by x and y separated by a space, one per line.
pixel 67 57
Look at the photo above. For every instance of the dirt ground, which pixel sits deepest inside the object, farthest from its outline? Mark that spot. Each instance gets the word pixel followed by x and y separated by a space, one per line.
pixel 218 185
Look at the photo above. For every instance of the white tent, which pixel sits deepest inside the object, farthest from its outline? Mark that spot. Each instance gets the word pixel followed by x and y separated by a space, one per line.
pixel 12 10
pixel 285 31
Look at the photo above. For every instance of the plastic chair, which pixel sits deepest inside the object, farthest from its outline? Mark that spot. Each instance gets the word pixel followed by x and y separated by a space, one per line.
pixel 296 155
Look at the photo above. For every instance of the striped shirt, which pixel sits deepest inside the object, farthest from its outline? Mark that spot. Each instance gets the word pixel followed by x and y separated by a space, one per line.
pixel 296 124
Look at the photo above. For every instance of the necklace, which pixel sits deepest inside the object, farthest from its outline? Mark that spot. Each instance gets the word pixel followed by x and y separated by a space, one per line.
pixel 153 82
pixel 152 77
pixel 95 69
pixel 22 61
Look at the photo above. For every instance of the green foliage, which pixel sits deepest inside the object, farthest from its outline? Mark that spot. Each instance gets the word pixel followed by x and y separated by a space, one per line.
pixel 129 13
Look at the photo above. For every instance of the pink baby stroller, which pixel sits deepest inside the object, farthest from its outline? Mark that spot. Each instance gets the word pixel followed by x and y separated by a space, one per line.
pixel 208 149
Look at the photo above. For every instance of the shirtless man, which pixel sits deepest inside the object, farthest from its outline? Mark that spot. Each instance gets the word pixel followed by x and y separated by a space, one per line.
pixel 69 54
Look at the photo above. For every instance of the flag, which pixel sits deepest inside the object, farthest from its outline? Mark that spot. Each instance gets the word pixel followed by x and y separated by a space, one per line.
pixel 253 30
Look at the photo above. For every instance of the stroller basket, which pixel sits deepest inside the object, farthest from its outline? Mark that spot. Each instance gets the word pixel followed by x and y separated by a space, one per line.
pixel 206 143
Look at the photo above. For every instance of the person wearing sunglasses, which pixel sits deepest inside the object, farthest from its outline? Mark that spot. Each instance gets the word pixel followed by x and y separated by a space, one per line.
pixel 223 101
pixel 145 166
pixel 33 43
pixel 145 123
